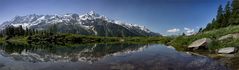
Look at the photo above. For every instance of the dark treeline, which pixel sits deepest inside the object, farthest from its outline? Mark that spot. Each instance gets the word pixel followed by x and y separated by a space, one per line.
pixel 50 35
pixel 17 31
pixel 11 31
pixel 227 16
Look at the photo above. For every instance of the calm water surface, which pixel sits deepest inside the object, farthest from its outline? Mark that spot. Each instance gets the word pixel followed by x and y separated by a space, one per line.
pixel 101 57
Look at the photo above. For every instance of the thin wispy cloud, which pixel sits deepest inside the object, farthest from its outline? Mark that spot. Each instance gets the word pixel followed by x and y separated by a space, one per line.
pixel 173 30
pixel 189 31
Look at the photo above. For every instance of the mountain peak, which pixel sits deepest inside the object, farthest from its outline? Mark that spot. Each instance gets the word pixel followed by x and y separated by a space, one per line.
pixel 90 23
pixel 93 14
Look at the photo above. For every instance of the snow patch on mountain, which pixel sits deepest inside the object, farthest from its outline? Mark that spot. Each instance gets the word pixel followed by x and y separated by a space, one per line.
pixel 127 25
pixel 87 21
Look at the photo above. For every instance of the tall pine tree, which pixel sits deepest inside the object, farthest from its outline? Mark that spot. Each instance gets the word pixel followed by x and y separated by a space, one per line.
pixel 227 14
pixel 225 17
pixel 235 6
pixel 220 17
pixel 235 13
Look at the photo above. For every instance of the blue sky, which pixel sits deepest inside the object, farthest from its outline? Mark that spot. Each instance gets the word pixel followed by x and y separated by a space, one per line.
pixel 164 16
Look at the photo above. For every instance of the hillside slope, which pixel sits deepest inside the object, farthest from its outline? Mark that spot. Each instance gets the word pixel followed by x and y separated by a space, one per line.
pixel 182 42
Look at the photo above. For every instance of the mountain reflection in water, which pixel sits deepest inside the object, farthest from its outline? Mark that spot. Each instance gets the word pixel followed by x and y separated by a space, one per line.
pixel 100 57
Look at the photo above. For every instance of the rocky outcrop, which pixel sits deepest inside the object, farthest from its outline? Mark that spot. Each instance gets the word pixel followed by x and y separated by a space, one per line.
pixel 227 50
pixel 234 36
pixel 200 43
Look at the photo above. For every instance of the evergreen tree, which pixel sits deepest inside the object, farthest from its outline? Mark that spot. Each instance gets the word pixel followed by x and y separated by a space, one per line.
pixel 9 31
pixel 53 28
pixel 227 14
pixel 183 34
pixel 220 17
pixel 235 13
pixel 214 24
pixel 200 30
pixel 27 31
pixel 225 17
pixel 20 30
pixel 235 6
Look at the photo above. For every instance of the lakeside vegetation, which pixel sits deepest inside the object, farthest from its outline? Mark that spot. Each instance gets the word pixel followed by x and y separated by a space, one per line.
pixel 179 42
pixel 18 34
pixel 183 41
pixel 226 22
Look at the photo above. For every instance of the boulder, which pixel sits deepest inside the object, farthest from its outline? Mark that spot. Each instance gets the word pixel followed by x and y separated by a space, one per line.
pixel 200 43
pixel 234 36
pixel 227 50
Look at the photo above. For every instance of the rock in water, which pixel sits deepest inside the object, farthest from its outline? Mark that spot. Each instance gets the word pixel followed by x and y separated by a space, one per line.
pixel 201 43
pixel 227 50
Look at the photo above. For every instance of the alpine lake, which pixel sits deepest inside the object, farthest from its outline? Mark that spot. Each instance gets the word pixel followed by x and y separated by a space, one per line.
pixel 113 56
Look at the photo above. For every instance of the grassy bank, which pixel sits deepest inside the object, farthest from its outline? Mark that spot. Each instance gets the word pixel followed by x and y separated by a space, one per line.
pixel 182 42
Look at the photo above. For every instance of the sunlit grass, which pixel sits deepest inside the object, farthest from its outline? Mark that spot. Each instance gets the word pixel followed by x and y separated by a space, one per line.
pixel 182 42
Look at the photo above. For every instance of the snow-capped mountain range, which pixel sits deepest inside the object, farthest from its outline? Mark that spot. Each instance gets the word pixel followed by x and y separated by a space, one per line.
pixel 90 23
